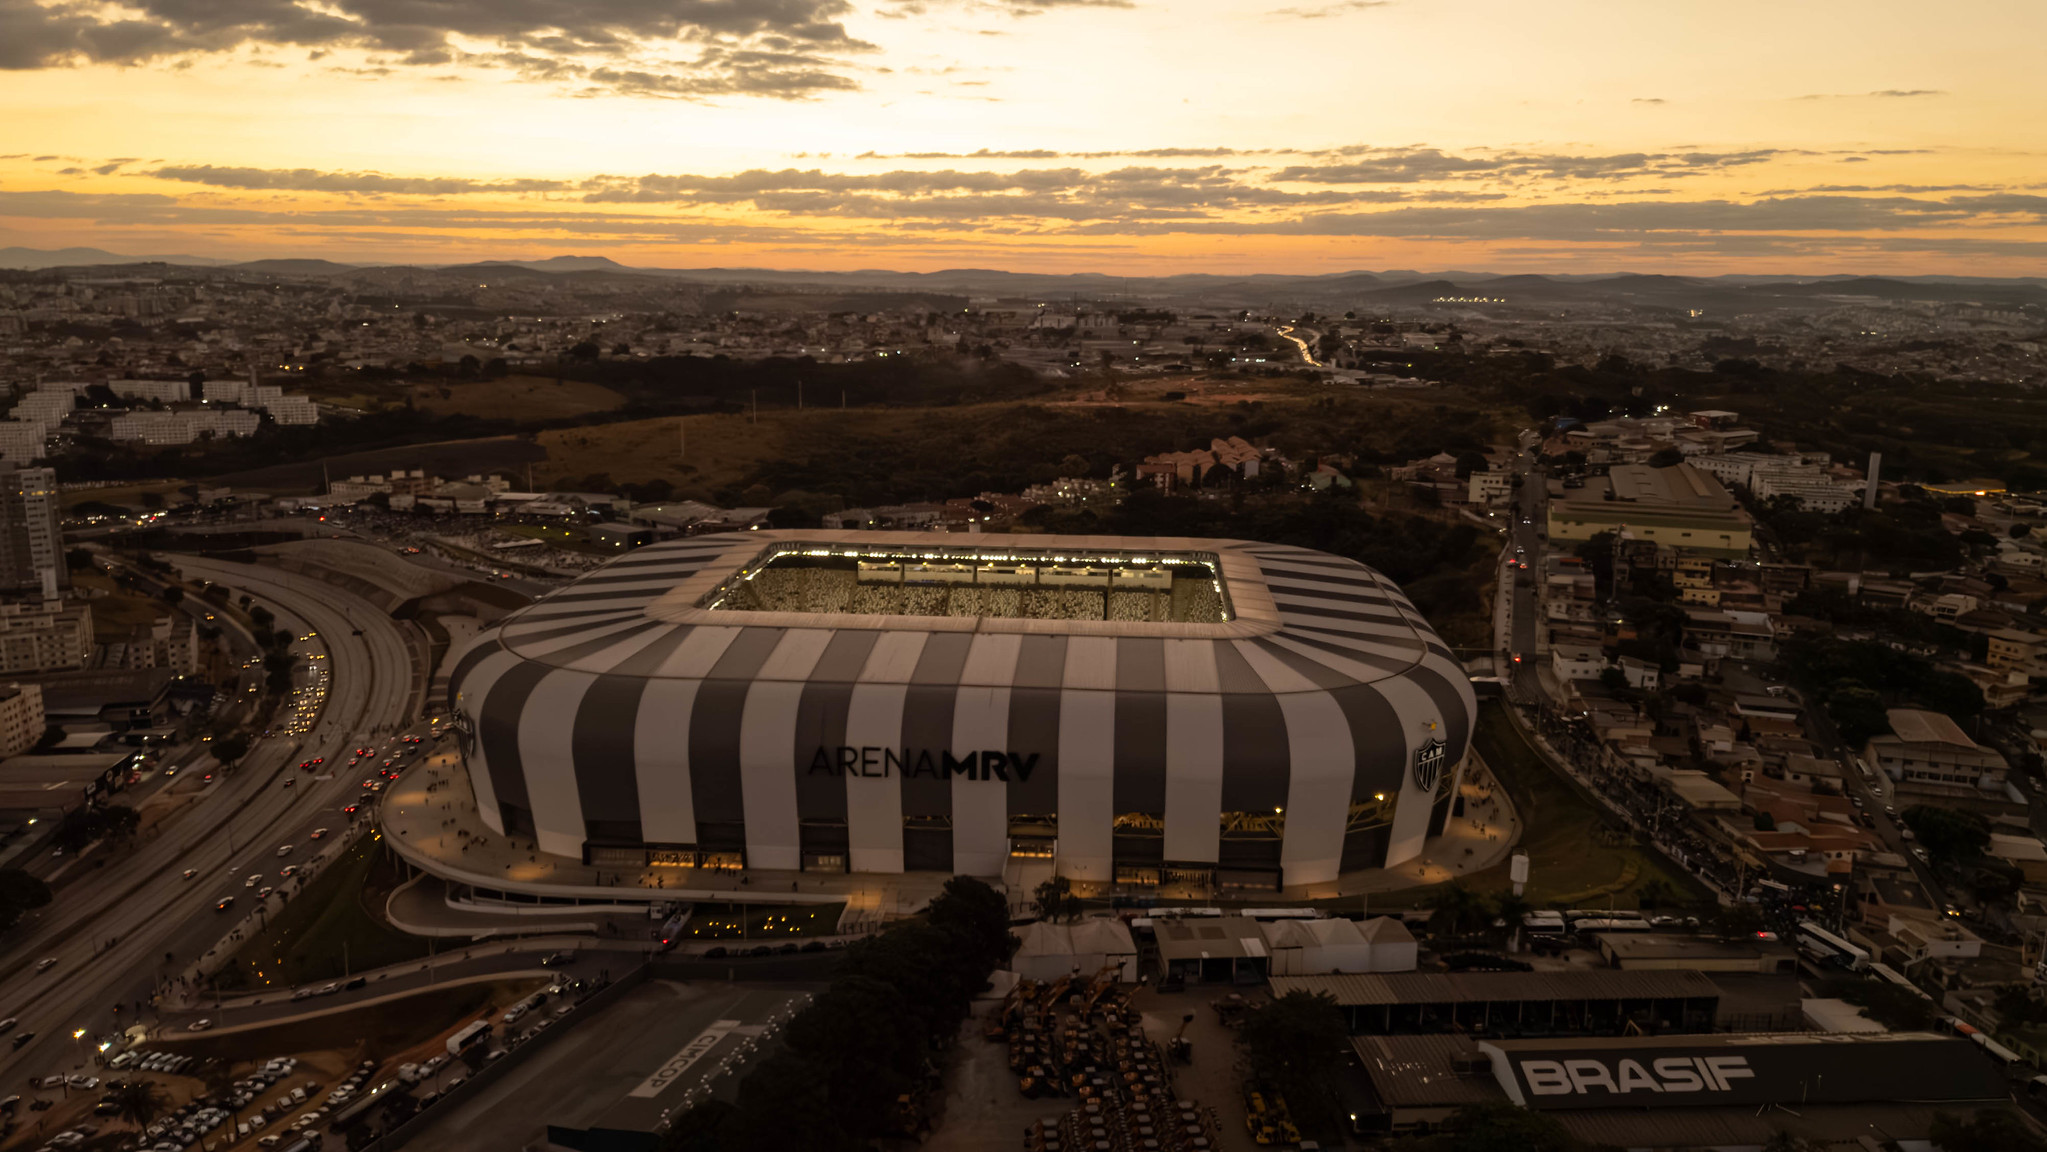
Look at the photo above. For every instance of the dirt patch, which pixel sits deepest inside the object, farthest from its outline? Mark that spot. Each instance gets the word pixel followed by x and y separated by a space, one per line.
pixel 521 398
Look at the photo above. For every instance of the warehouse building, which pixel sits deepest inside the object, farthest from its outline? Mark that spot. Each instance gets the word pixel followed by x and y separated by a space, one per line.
pixel 1579 1000
pixel 1725 1090
pixel 1131 710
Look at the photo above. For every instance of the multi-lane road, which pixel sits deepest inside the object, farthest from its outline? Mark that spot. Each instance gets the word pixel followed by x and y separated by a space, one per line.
pixel 117 933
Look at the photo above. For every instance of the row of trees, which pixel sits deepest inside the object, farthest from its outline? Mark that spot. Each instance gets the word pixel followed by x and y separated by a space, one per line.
pixel 876 1034
pixel 1857 679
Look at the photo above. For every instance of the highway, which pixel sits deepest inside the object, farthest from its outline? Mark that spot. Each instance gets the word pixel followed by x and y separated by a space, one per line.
pixel 141 901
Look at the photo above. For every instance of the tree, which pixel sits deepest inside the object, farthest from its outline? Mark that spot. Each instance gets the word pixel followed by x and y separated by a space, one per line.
pixel 20 893
pixel 1509 909
pixel 1295 1044
pixel 1613 679
pixel 172 595
pixel 1456 908
pixel 1667 458
pixel 1056 901
pixel 1857 712
pixel 1991 1130
pixel 231 748
pixel 139 1101
pixel 1949 835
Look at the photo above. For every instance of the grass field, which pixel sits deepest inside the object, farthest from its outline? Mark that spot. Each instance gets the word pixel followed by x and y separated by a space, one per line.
pixel 119 612
pixel 383 1029
pixel 331 928
pixel 514 398
pixel 884 455
pixel 1578 855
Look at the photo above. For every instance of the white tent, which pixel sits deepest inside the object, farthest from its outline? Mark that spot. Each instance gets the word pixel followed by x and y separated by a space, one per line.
pixel 1315 947
pixel 1393 946
pixel 1050 951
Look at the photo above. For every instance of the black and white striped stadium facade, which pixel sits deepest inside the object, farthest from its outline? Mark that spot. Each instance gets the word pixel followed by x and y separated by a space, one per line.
pixel 1314 726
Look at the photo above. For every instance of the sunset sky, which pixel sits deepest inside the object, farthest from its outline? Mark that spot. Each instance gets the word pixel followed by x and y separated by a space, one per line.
pixel 1153 136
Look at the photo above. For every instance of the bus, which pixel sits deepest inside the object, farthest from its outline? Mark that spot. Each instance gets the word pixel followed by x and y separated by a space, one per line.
pixel 476 1032
pixel 1823 947
pixel 1591 924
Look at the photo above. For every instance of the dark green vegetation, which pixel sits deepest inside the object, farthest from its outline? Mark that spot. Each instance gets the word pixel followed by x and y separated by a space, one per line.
pixel 20 893
pixel 664 386
pixel 82 826
pixel 893 1008
pixel 1857 679
pixel 329 929
pixel 1295 1045
pixel 1577 854
pixel 1931 430
pixel 1992 1130
pixel 1957 841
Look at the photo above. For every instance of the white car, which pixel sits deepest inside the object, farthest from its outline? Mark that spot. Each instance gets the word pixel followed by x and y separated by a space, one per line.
pixel 284 850
pixel 198 1025
pixel 252 880
pixel 46 963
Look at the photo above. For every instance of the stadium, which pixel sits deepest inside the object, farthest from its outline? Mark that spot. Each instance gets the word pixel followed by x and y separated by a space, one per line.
pixel 1137 711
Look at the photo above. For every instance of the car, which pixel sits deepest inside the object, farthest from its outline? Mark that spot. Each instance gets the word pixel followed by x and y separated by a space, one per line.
pixel 264 892
pixel 329 989
pixel 287 870
pixel 284 849
pixel 199 1025
pixel 46 1082
pixel 351 809
pixel 253 879
pixel 1889 810
pixel 21 1039
pixel 191 872
pixel 8 1023
pixel 226 902
pixel 82 1082
pixel 358 982
pixel 289 781
pixel 318 833
pixel 319 759
pixel 1951 910
pixel 46 963
pixel 371 783
pixel 303 993
pixel 1920 853
pixel 557 959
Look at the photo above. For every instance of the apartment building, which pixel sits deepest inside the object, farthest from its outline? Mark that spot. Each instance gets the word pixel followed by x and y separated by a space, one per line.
pixel 21 718
pixel 46 636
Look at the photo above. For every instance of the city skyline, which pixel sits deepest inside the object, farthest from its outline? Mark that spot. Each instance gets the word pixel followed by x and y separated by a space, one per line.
pixel 1055 137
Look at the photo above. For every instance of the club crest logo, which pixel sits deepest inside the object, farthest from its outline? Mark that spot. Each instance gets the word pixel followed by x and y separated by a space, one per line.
pixel 1428 764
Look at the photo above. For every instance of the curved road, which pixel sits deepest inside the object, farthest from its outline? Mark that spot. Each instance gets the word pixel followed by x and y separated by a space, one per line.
pixel 141 898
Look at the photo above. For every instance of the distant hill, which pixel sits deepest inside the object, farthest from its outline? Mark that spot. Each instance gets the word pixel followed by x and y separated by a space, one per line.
pixel 1322 291
pixel 293 267
pixel 33 258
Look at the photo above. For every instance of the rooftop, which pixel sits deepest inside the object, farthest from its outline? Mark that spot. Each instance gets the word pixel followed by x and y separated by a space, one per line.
pixel 1356 990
